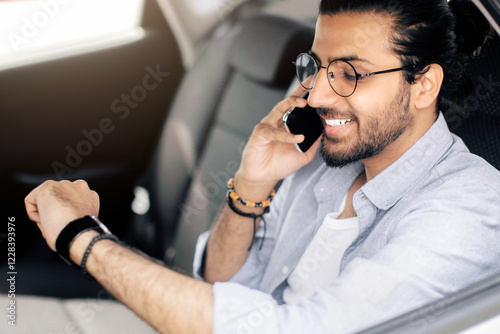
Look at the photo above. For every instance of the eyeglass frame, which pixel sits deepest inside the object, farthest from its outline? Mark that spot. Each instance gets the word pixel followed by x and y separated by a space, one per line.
pixel 358 76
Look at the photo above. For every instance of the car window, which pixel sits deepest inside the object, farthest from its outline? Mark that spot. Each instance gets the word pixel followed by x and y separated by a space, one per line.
pixel 36 30
pixel 208 7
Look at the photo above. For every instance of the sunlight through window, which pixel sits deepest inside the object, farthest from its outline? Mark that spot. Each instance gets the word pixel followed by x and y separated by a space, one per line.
pixel 220 7
pixel 33 31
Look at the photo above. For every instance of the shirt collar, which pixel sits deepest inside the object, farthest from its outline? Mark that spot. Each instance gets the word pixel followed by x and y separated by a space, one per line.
pixel 388 187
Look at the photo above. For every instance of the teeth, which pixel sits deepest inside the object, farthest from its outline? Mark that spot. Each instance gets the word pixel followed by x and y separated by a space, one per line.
pixel 337 122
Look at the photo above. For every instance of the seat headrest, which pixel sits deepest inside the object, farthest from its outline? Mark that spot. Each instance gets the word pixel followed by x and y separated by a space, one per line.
pixel 267 45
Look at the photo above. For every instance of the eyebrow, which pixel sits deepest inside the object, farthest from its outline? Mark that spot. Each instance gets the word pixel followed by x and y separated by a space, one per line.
pixel 345 58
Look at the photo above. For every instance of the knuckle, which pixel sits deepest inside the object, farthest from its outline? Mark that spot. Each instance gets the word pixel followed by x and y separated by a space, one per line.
pixel 81 183
pixel 48 184
pixel 285 104
pixel 259 128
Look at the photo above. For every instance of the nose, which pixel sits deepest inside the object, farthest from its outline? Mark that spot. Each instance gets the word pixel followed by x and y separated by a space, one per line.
pixel 322 95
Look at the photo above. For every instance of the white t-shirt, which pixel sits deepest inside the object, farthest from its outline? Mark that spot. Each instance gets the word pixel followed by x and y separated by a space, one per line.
pixel 320 264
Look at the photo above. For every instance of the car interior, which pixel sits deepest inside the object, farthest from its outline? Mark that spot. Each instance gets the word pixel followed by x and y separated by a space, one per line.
pixel 156 124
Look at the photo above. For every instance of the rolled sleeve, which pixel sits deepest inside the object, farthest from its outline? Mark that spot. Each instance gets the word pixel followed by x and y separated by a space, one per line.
pixel 250 274
pixel 199 256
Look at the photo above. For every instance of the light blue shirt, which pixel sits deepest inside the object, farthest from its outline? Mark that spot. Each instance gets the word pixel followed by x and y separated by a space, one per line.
pixel 429 225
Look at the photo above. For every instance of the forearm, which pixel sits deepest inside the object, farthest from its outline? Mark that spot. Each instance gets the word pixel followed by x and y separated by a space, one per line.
pixel 227 248
pixel 231 235
pixel 269 156
pixel 167 300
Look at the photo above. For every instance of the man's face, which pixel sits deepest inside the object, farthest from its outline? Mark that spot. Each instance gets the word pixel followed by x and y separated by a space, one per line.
pixel 379 110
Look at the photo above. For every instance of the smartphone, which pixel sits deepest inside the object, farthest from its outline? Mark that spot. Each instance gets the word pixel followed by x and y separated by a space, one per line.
pixel 304 121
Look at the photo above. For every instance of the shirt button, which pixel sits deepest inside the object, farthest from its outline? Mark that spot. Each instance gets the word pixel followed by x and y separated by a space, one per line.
pixel 285 270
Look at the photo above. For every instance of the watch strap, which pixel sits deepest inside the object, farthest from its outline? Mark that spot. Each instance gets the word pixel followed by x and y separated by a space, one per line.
pixel 73 230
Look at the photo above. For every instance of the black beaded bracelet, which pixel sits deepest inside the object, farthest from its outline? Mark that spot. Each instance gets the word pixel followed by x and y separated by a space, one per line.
pixel 249 215
pixel 89 248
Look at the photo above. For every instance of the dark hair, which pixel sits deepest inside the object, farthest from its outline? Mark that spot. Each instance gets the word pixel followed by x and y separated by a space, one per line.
pixel 427 32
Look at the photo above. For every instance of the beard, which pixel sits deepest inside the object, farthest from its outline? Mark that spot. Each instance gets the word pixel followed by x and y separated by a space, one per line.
pixel 376 134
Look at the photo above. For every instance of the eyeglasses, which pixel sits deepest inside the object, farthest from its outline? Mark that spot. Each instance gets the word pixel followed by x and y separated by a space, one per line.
pixel 341 74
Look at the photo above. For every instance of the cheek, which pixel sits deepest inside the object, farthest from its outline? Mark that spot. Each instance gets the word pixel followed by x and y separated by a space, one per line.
pixel 364 106
pixel 369 104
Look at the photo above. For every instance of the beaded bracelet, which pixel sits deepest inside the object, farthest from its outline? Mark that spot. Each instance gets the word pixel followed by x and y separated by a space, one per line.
pixel 250 204
pixel 89 248
pixel 249 215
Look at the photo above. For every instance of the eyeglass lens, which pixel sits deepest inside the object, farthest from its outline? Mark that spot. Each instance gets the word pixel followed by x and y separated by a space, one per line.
pixel 341 75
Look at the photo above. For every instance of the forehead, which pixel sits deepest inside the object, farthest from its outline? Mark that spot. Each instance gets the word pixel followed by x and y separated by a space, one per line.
pixel 365 36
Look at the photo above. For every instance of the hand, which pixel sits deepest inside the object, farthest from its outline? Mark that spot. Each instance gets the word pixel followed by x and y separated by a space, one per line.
pixel 53 205
pixel 270 154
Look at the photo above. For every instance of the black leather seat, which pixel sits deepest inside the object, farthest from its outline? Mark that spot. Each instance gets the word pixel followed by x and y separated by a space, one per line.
pixel 232 86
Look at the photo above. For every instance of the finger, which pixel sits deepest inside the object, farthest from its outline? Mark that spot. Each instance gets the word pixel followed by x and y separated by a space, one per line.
pixel 82 184
pixel 30 203
pixel 295 100
pixel 265 134
pixel 32 211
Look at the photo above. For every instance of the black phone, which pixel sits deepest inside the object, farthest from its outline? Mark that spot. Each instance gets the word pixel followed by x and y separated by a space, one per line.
pixel 304 121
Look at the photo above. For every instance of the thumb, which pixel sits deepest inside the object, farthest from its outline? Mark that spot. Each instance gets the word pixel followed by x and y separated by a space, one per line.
pixel 31 206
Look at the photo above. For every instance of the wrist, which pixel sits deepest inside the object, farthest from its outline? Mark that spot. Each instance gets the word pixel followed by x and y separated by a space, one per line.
pixel 75 236
pixel 71 232
pixel 80 244
pixel 252 215
pixel 253 190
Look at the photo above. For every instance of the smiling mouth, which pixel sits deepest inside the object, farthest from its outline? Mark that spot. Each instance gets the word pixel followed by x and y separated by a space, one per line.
pixel 337 122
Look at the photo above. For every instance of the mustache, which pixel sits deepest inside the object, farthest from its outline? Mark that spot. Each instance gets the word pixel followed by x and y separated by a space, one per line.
pixel 335 113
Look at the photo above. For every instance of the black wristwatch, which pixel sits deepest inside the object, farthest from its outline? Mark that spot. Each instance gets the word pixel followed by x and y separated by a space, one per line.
pixel 74 229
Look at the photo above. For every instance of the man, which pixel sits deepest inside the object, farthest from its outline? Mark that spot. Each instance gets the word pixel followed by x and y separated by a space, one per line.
pixel 406 215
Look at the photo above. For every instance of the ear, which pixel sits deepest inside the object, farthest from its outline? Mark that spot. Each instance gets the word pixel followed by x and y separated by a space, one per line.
pixel 426 88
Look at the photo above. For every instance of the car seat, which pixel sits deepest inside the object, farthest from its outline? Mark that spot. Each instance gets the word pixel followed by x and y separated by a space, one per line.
pixel 232 86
